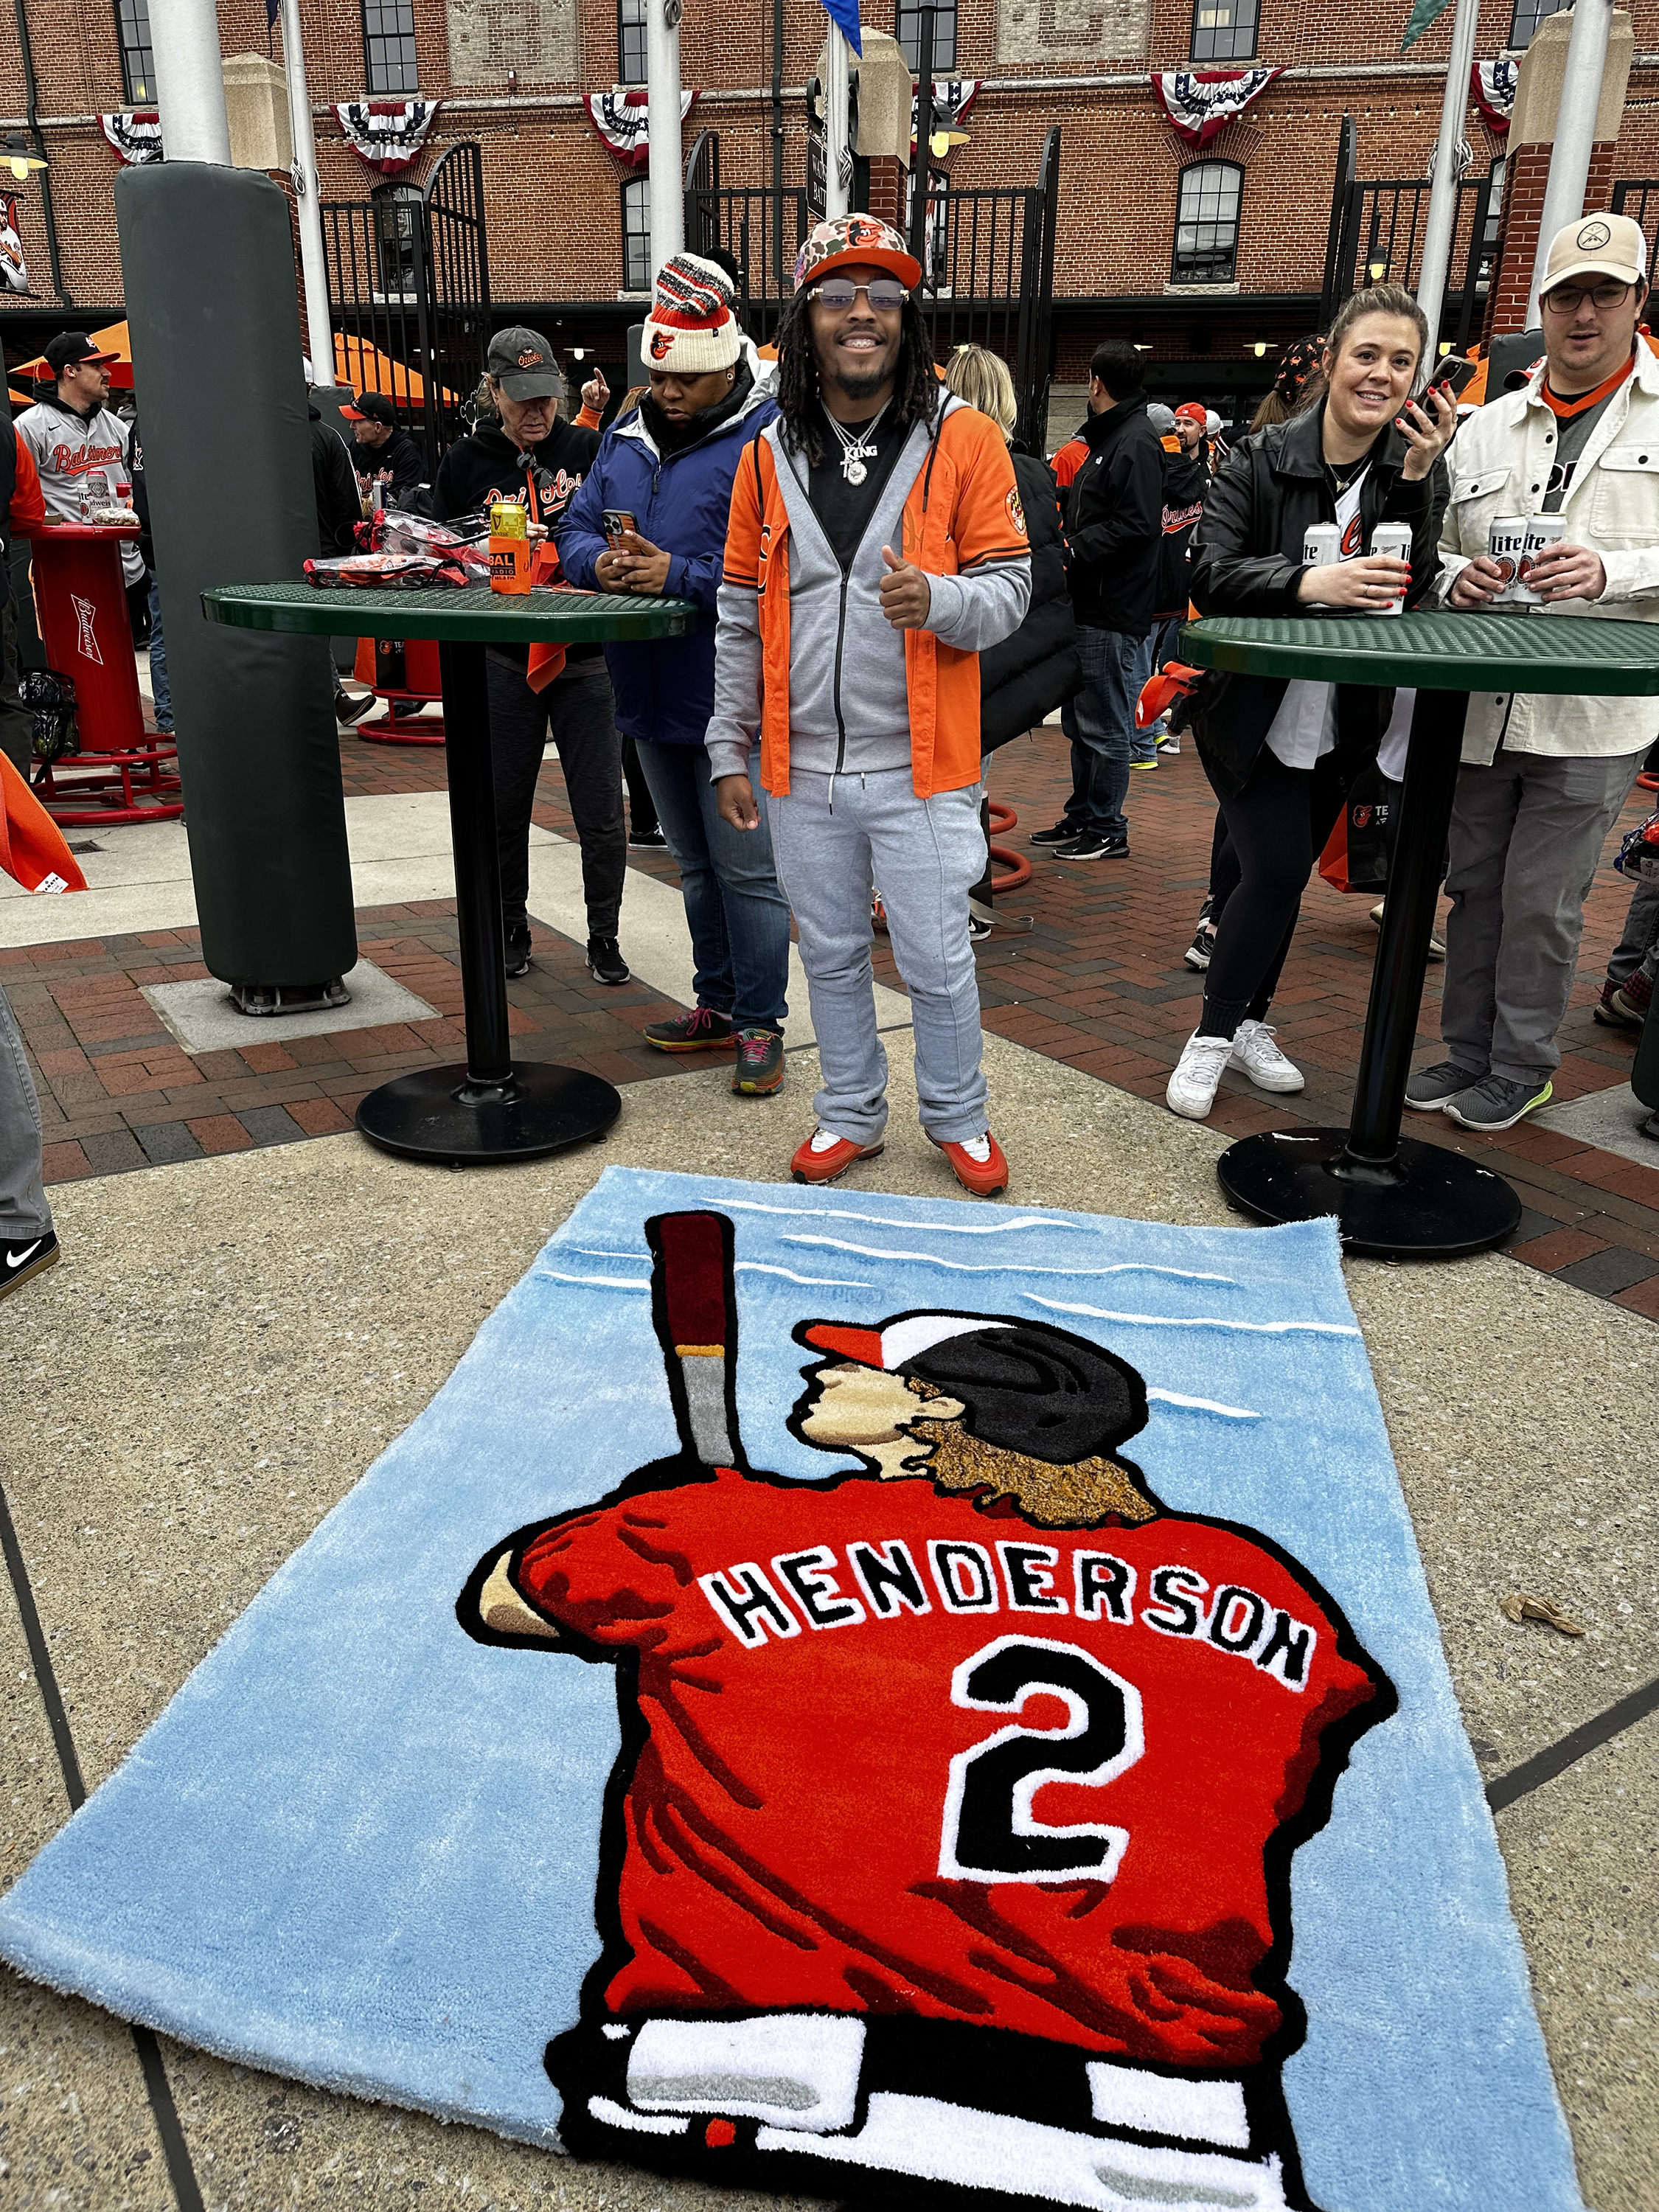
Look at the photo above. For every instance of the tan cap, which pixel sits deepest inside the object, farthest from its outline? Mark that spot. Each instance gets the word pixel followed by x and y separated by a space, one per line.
pixel 1597 245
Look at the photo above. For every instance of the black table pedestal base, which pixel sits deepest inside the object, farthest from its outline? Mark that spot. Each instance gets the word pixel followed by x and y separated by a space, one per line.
pixel 1428 1203
pixel 438 1113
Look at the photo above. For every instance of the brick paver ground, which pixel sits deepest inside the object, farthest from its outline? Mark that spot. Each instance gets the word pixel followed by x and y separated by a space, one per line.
pixel 1098 983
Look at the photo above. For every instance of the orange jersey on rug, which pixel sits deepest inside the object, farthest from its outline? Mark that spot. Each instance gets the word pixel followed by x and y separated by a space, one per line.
pixel 896 1754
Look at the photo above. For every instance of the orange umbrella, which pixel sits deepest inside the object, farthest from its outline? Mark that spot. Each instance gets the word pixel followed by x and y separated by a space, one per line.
pixel 366 368
pixel 115 339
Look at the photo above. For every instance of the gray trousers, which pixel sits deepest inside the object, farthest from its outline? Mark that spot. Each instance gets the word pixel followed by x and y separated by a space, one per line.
pixel 1639 945
pixel 23 1210
pixel 927 854
pixel 1526 834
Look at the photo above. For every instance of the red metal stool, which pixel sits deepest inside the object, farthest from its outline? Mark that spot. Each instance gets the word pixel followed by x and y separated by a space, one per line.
pixel 1017 868
pixel 416 661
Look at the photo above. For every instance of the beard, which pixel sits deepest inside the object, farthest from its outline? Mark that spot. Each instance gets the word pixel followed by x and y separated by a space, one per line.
pixel 862 383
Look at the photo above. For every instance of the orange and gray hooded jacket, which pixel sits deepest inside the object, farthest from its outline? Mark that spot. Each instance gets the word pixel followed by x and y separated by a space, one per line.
pixel 804 658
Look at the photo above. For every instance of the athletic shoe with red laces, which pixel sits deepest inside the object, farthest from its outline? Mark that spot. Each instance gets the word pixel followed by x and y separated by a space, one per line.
pixel 760 1062
pixel 701 1031
pixel 978 1163
pixel 824 1156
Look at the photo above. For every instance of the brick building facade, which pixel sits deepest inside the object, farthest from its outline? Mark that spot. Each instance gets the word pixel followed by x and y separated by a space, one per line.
pixel 510 74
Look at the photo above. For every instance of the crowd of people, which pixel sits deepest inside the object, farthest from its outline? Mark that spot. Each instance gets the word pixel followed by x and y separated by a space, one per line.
pixel 888 588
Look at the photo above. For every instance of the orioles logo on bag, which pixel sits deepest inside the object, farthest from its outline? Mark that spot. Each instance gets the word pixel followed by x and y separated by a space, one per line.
pixel 1353 538
pixel 660 342
pixel 1016 512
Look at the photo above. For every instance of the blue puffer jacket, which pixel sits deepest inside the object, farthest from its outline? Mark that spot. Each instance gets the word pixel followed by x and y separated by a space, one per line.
pixel 665 692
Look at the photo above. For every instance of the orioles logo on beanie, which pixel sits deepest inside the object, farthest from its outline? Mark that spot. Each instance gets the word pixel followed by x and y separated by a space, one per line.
pixel 691 328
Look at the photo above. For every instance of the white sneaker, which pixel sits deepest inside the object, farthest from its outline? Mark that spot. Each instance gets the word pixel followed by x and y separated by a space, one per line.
pixel 1198 1073
pixel 1260 1058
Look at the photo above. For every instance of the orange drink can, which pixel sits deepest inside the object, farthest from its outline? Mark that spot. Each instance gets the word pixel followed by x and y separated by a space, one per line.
pixel 509 547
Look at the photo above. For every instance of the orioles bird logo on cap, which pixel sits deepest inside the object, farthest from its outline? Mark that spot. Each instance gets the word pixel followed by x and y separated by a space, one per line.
pixel 1592 236
pixel 660 342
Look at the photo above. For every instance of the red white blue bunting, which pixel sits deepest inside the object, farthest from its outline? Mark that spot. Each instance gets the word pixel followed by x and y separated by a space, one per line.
pixel 1493 85
pixel 135 137
pixel 387 134
pixel 952 98
pixel 620 117
pixel 1201 103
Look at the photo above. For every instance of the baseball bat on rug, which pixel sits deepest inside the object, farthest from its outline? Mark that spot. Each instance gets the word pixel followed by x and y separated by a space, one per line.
pixel 863 1698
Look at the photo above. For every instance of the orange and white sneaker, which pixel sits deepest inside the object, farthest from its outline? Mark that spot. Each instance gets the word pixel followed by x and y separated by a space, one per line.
pixel 824 1156
pixel 978 1164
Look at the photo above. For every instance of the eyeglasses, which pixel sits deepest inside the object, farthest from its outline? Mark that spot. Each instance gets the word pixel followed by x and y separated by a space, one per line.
pixel 1567 299
pixel 886 294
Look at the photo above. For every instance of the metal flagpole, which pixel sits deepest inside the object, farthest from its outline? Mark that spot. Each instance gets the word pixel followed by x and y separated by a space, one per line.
pixel 1442 196
pixel 319 333
pixel 836 154
pixel 190 81
pixel 1575 132
pixel 662 78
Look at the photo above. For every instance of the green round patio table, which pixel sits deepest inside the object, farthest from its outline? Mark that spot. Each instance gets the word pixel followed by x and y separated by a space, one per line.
pixel 492 1107
pixel 1394 1197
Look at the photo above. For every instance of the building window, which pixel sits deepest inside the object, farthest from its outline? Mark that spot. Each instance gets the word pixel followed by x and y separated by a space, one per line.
pixel 1206 224
pixel 1224 30
pixel 907 29
pixel 630 41
pixel 1528 15
pixel 636 234
pixel 137 64
pixel 389 46
pixel 397 223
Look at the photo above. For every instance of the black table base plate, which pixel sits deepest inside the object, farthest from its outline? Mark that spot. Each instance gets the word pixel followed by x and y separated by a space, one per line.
pixel 429 1114
pixel 1437 1205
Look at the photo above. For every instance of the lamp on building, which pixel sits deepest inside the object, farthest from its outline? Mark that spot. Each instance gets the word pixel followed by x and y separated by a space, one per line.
pixel 942 140
pixel 18 158
pixel 1260 349
pixel 1377 271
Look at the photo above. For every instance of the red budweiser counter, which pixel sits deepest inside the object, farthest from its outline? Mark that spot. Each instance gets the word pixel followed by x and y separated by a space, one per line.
pixel 123 772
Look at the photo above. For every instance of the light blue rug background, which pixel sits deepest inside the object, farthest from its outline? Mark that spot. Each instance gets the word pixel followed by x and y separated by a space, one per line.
pixel 360 1849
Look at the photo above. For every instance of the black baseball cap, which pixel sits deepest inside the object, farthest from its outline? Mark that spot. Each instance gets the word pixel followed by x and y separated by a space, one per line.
pixel 70 349
pixel 524 364
pixel 371 407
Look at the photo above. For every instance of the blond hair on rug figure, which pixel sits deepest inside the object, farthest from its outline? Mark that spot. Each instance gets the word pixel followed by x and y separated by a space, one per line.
pixel 1289 525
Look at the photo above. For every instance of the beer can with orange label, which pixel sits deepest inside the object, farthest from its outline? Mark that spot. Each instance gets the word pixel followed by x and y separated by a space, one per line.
pixel 509 547
pixel 1506 545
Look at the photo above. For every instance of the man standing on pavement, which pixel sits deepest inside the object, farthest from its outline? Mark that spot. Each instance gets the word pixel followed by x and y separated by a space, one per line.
pixel 1543 778
pixel 385 449
pixel 1115 522
pixel 531 454
pixel 74 435
pixel 877 545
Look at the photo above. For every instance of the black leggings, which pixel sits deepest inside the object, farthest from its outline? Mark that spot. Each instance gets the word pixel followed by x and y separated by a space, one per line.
pixel 1277 826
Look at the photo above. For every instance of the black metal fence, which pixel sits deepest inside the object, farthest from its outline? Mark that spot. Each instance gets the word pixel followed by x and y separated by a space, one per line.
pixel 762 232
pixel 1375 237
pixel 1639 198
pixel 409 294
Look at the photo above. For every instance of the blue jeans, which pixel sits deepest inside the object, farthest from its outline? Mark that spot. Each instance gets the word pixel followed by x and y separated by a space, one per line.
pixel 738 916
pixel 159 690
pixel 1100 722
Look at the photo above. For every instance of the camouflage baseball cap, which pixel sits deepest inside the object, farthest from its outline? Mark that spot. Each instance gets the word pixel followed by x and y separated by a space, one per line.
pixel 861 237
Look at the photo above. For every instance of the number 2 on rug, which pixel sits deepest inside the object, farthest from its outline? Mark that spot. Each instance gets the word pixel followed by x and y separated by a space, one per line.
pixel 991 1832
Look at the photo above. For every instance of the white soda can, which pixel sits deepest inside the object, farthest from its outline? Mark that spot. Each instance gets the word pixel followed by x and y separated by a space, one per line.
pixel 1542 530
pixel 1394 539
pixel 1506 544
pixel 1321 545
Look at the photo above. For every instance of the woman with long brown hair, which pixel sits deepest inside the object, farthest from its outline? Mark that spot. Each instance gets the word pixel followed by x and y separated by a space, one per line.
pixel 1280 756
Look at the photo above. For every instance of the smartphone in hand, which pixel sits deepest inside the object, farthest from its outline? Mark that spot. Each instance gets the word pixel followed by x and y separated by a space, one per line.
pixel 614 520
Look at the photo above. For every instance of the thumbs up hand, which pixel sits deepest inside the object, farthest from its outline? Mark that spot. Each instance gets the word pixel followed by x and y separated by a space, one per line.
pixel 906 594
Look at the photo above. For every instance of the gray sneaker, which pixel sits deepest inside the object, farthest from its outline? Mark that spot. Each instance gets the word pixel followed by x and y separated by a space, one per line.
pixel 1498 1103
pixel 1431 1088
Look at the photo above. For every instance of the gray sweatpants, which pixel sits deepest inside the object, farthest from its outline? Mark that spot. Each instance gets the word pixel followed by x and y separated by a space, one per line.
pixel 1526 834
pixel 927 854
pixel 23 1210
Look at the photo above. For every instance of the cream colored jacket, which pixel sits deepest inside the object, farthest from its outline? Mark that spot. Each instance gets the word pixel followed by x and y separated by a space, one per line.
pixel 1500 462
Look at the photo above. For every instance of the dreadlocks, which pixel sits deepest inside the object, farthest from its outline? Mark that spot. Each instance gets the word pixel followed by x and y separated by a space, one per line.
pixel 916 394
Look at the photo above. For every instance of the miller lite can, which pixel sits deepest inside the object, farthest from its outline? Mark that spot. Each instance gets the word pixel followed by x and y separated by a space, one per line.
pixel 1321 545
pixel 1542 530
pixel 1394 539
pixel 1506 545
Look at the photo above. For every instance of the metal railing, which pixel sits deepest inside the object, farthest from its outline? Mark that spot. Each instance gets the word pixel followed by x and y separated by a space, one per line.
pixel 1376 232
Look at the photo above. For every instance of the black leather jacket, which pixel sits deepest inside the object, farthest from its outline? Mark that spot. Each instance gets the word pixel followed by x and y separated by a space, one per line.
pixel 1247 559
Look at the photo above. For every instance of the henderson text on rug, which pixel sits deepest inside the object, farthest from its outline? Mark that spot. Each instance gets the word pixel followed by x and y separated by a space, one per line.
pixel 880 1699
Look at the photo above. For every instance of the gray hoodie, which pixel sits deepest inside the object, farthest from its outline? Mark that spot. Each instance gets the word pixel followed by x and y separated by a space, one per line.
pixel 848 707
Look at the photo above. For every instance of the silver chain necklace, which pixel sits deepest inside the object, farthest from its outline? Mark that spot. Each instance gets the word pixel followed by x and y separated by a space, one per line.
pixel 856 448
